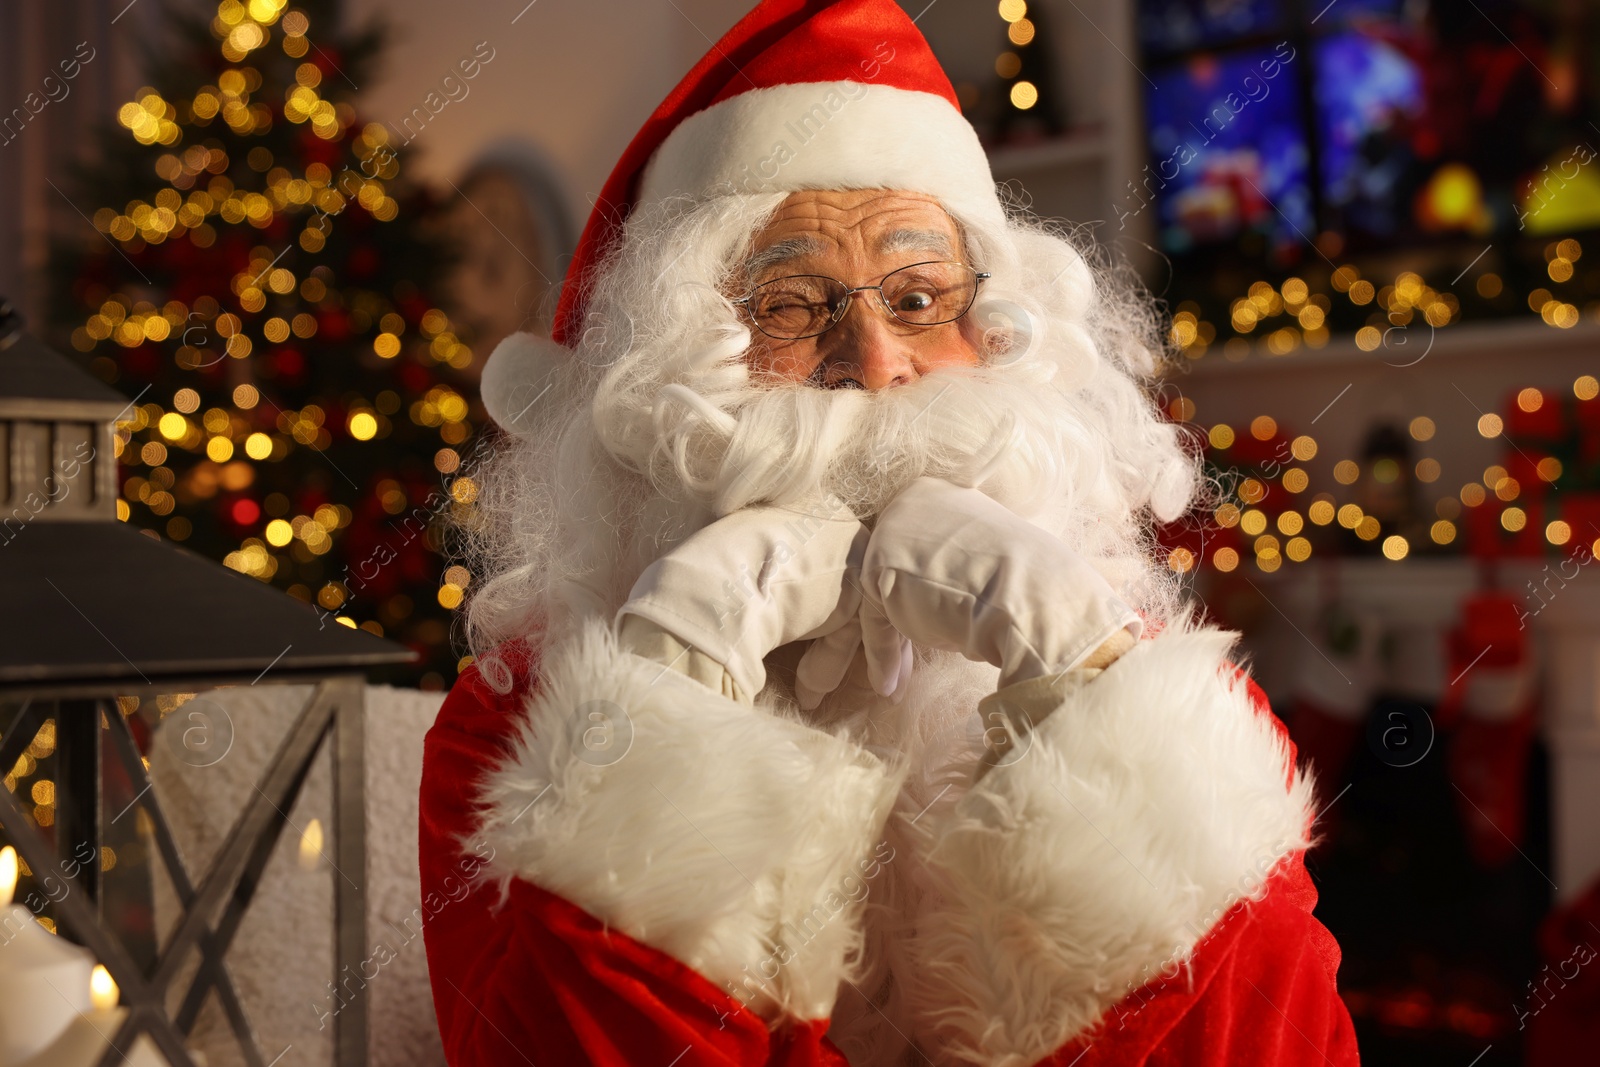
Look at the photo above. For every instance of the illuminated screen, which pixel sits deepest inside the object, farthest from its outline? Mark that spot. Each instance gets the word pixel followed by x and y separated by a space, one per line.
pixel 1228 150
pixel 1180 25
pixel 1373 129
pixel 1290 136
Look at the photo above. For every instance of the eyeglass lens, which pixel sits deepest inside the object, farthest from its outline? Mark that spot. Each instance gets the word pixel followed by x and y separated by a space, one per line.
pixel 923 294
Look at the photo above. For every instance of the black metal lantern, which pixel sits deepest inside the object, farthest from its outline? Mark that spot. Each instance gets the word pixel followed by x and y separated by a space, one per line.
pixel 94 610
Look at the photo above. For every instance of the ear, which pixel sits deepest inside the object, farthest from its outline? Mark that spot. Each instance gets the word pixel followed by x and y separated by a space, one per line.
pixel 516 377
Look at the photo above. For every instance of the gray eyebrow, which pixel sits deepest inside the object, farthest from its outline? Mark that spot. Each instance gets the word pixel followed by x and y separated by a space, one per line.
pixel 915 240
pixel 781 252
pixel 904 239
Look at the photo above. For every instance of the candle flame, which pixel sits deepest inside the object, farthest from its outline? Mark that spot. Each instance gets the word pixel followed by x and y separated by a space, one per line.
pixel 311 845
pixel 8 874
pixel 102 988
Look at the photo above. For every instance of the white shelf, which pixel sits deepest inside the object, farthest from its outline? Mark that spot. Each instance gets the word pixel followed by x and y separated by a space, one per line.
pixel 1499 340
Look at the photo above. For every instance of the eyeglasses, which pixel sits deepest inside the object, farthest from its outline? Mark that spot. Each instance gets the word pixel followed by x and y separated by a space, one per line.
pixel 807 305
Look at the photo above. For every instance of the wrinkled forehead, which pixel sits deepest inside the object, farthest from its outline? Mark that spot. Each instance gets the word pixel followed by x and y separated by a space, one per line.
pixel 847 226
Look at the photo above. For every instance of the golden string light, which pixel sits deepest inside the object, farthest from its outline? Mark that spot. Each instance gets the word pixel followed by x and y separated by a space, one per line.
pixel 1495 482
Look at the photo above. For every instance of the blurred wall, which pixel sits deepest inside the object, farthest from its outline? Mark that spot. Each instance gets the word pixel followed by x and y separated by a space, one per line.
pixel 50 115
pixel 575 79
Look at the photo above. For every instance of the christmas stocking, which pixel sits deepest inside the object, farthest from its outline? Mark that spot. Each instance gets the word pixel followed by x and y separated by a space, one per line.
pixel 1333 693
pixel 1492 698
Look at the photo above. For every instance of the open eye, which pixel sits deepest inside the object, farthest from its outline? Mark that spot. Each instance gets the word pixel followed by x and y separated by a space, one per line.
pixel 917 300
pixel 930 293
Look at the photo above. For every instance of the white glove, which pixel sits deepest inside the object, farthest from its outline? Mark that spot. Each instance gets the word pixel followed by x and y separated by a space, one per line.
pixel 760 578
pixel 954 569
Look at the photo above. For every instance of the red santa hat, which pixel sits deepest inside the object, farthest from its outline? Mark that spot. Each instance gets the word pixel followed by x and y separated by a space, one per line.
pixel 800 94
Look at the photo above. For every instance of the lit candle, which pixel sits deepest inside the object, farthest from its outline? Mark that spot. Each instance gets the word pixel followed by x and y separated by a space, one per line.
pixel 44 979
pixel 85 1039
pixel 311 845
pixel 103 992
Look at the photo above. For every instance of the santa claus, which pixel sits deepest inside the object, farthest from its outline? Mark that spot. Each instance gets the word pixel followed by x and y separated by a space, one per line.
pixel 830 704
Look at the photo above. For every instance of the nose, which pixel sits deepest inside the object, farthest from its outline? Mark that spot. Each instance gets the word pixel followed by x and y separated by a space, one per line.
pixel 869 347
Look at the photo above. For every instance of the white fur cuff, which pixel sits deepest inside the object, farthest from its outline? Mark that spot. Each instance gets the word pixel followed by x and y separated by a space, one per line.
pixel 724 835
pixel 1149 802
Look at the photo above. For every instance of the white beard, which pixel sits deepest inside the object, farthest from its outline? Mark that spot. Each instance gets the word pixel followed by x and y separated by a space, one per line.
pixel 1035 443
pixel 645 460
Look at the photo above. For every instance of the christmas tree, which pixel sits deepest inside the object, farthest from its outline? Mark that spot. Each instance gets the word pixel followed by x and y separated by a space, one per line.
pixel 260 285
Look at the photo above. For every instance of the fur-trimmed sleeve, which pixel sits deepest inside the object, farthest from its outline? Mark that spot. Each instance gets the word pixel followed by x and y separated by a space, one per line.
pixel 721 834
pixel 1093 859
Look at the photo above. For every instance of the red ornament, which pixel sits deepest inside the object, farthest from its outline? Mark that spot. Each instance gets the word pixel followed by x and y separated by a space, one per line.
pixel 244 512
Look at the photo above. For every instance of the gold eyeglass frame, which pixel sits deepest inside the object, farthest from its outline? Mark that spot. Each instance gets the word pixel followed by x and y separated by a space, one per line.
pixel 979 277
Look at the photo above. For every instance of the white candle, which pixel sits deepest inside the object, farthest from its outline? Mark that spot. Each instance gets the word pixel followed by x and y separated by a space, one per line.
pixel 44 979
pixel 84 1041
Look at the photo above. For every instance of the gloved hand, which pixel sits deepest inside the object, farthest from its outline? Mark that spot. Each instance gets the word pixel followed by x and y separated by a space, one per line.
pixel 760 578
pixel 954 569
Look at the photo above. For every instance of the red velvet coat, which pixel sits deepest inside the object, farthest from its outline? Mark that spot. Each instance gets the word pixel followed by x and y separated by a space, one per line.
pixel 539 979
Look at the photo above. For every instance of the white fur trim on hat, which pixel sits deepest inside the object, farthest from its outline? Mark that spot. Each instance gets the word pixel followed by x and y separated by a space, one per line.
pixel 828 135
